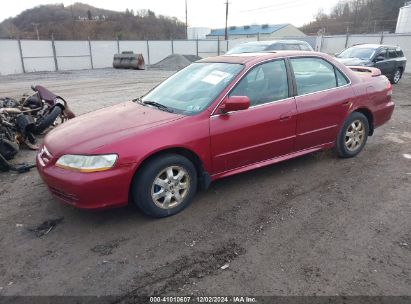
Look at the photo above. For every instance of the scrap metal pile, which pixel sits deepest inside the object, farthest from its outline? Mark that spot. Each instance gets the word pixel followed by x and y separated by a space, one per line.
pixel 21 121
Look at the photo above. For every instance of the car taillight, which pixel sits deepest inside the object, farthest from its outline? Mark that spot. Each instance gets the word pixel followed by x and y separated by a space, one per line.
pixel 389 88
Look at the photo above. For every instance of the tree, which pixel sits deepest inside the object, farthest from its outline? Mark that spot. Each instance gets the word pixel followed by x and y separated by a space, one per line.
pixel 60 21
pixel 359 16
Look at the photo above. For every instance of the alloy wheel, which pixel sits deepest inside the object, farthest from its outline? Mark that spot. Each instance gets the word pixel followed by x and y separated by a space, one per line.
pixel 170 187
pixel 354 136
pixel 397 76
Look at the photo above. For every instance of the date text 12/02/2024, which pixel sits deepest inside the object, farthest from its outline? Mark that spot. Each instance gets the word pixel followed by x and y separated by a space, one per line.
pixel 203 299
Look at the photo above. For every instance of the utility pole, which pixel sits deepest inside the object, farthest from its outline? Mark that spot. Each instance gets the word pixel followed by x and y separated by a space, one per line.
pixel 226 20
pixel 72 22
pixel 186 22
pixel 36 27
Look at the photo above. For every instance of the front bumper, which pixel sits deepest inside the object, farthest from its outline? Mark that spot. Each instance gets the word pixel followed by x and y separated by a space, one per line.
pixel 98 190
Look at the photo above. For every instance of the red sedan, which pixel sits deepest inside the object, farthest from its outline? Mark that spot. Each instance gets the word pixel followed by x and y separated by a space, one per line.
pixel 218 117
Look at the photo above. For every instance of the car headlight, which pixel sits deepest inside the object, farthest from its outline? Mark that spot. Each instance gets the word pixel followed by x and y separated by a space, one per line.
pixel 87 163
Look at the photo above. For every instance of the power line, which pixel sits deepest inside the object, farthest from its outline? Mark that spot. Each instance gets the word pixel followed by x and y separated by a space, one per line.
pixel 278 5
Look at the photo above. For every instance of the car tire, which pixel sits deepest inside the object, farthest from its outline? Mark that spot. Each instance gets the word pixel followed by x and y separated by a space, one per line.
pixel 46 121
pixel 353 135
pixel 165 185
pixel 396 77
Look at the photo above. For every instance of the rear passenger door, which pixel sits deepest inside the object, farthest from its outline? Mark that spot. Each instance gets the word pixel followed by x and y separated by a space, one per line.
pixel 383 65
pixel 392 61
pixel 323 97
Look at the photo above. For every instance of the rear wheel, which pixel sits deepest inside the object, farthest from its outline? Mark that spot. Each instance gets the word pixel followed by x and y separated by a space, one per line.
pixel 165 185
pixel 353 135
pixel 397 76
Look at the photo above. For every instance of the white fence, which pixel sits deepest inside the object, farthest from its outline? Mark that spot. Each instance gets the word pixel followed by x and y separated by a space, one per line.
pixel 22 56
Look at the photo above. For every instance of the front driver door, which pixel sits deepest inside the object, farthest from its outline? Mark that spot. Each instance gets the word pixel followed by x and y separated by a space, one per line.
pixel 265 130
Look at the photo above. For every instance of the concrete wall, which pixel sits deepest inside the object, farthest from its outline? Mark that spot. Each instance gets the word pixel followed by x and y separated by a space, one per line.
pixel 34 56
pixel 73 55
pixel 10 62
pixel 37 56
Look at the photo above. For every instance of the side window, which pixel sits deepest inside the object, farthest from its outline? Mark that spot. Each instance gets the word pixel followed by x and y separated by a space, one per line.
pixel 313 75
pixel 382 53
pixel 400 53
pixel 341 80
pixel 266 82
pixel 392 53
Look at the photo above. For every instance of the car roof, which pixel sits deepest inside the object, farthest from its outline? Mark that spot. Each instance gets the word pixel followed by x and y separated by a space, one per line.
pixel 374 46
pixel 250 58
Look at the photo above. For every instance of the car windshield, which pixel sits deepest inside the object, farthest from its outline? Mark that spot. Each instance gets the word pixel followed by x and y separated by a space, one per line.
pixel 248 48
pixel 362 53
pixel 192 89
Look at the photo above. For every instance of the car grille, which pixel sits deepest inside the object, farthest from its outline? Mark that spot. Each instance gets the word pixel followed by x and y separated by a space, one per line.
pixel 69 198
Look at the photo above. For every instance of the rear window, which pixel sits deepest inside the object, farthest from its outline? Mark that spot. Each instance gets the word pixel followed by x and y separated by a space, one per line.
pixel 248 48
pixel 392 53
pixel 292 47
pixel 341 80
pixel 304 47
pixel 276 47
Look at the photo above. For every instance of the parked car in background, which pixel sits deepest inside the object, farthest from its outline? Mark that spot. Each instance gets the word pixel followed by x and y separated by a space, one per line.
pixel 389 59
pixel 217 117
pixel 275 45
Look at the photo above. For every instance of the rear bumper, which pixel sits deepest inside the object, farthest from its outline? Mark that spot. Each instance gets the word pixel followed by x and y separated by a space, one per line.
pixel 383 114
pixel 99 190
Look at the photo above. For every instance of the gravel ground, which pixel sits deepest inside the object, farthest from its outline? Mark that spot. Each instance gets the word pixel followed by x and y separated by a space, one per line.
pixel 315 225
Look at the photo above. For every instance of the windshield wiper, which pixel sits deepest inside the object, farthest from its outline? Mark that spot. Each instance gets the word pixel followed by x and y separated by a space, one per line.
pixel 138 99
pixel 158 105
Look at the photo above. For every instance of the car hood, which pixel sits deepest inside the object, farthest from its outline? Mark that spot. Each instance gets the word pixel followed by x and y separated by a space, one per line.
pixel 89 132
pixel 353 61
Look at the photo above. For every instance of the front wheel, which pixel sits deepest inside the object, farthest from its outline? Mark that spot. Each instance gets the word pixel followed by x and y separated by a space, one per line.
pixel 353 135
pixel 165 185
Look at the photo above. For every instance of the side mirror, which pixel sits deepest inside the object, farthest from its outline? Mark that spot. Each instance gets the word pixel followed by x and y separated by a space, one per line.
pixel 379 58
pixel 235 103
pixel 336 54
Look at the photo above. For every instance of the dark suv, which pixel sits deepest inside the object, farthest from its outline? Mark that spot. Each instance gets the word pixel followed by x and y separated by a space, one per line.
pixel 389 59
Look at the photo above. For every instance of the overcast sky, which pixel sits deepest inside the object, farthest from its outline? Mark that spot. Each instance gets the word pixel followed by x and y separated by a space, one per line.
pixel 207 13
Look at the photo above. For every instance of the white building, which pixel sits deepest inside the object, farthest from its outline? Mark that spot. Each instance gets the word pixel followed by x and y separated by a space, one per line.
pixel 265 31
pixel 404 19
pixel 198 32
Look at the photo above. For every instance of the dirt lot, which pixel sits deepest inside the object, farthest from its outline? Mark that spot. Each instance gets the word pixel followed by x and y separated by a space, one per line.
pixel 316 225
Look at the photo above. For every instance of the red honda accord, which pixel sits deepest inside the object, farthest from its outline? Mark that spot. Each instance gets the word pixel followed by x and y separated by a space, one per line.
pixel 218 117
